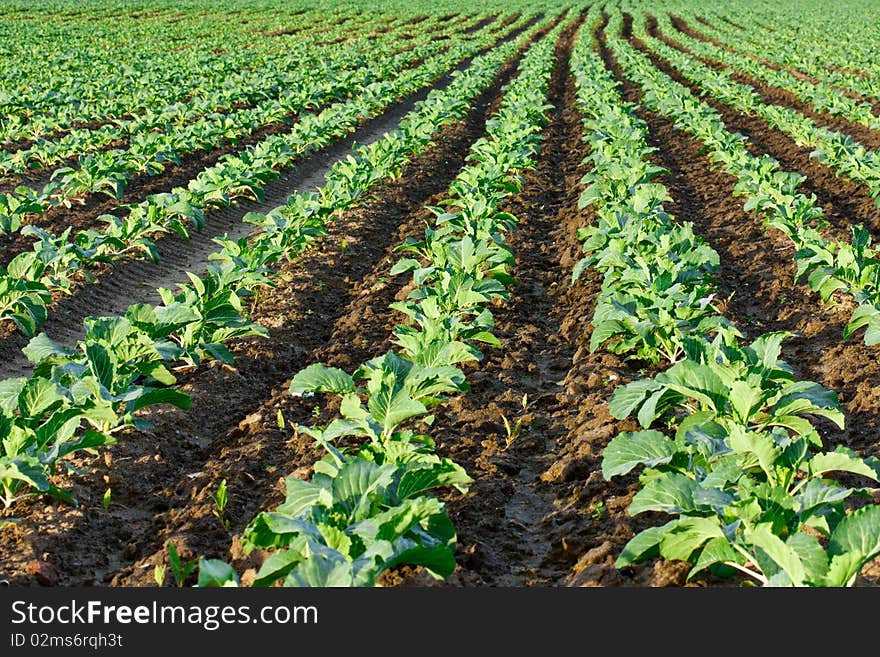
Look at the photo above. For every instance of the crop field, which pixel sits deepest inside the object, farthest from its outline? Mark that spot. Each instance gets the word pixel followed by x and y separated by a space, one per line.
pixel 439 293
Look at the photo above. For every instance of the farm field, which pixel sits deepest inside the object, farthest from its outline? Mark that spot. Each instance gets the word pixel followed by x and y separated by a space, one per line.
pixel 439 294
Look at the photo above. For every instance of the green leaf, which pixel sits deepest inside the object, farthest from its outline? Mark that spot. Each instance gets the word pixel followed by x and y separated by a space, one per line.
pixel 842 460
pixel 10 389
pixel 320 378
pixel 40 347
pixel 744 398
pixel 300 495
pixel 669 492
pixel 688 535
pixel 628 450
pixel 323 568
pixel 358 479
pixel 163 396
pixel 444 473
pixel 438 560
pixel 220 352
pixel 216 573
pixel 785 556
pixel 625 399
pixel 816 494
pixel 696 381
pixel 643 545
pixel 173 317
pixel 811 554
pixel 843 569
pixel 38 396
pixel 101 364
pixel 279 564
pixel 758 444
pixel 803 397
pixel 24 468
pixel 715 551
pixel 768 347
pixel 853 543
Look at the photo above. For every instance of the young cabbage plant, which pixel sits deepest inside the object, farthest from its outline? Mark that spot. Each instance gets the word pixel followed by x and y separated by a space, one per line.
pixel 355 519
pixel 760 502
pixel 396 390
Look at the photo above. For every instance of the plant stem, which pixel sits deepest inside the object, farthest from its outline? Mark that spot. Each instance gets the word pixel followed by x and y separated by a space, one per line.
pixel 748 571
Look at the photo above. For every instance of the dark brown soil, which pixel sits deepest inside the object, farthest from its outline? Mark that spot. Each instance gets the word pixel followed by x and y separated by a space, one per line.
pixel 331 306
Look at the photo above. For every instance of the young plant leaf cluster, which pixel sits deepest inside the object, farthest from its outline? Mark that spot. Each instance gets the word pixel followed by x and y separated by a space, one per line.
pixel 59 80
pixel 840 54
